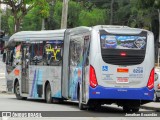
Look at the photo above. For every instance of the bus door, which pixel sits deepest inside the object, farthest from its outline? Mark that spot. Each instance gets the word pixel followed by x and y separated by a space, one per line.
pixel 25 69
pixel 85 66
pixel 75 68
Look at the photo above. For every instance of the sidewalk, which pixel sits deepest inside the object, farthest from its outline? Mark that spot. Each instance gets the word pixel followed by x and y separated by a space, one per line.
pixel 152 106
pixel 2 76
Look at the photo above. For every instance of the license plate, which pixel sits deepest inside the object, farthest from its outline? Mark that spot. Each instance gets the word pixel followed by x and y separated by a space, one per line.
pixel 122 80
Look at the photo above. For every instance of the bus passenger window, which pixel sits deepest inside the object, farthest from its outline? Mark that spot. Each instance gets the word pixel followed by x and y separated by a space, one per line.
pixel 36 53
pixel 53 53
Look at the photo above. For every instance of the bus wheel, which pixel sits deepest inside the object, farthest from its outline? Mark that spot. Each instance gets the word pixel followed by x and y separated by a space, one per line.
pixel 155 99
pixel 17 92
pixel 130 109
pixel 126 109
pixel 48 94
pixel 81 106
pixel 135 109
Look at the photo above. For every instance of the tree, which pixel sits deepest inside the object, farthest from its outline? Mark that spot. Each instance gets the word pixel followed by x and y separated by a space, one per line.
pixel 33 20
pixel 20 8
pixel 94 17
pixel 74 10
pixel 145 15
pixel 57 14
pixel 111 18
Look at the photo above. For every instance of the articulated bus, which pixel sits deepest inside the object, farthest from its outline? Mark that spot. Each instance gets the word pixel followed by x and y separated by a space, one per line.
pixel 77 65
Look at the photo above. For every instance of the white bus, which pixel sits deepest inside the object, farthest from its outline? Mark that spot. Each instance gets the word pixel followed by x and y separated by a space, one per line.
pixel 77 64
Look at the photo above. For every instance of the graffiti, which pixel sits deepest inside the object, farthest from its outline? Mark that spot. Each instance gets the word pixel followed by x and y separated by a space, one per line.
pixel 54 52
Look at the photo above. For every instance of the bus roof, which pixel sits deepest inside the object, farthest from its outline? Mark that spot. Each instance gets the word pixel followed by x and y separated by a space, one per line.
pixel 117 29
pixel 37 35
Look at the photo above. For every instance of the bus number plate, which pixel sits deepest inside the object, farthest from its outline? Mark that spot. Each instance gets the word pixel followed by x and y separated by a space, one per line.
pixel 122 80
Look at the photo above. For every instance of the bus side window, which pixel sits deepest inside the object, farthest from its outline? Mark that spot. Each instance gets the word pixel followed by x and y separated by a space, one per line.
pixel 53 53
pixel 86 49
pixel 36 54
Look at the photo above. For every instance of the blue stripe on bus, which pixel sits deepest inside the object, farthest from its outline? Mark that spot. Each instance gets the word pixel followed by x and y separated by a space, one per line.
pixel 121 93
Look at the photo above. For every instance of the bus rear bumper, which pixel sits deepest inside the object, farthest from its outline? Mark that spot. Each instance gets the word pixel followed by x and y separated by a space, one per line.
pixel 121 93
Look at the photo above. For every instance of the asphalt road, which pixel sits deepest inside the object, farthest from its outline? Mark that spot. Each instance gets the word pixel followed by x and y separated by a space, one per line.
pixel 8 102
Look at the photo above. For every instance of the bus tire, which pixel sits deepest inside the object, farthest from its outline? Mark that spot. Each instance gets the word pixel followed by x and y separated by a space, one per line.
pixel 155 99
pixel 17 92
pixel 81 106
pixel 135 109
pixel 48 96
pixel 127 109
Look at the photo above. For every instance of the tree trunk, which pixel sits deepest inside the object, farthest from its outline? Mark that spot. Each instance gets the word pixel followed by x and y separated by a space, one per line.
pixel 17 25
pixel 159 37
pixel 159 23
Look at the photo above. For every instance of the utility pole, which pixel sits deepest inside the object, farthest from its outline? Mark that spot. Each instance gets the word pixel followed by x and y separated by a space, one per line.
pixel 0 17
pixel 43 24
pixel 159 38
pixel 64 14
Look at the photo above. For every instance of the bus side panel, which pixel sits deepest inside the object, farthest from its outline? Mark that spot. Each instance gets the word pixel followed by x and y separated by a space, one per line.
pixel 39 75
pixel 11 77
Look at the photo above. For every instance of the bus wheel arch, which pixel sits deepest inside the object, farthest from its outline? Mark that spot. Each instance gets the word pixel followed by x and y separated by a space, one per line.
pixel 17 90
pixel 78 91
pixel 48 93
pixel 15 82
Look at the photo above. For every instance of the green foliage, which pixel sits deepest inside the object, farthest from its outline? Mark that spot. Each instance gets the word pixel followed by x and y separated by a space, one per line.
pixel 20 8
pixel 57 14
pixel 122 13
pixel 11 24
pixel 93 17
pixel 142 13
pixel 4 23
pixel 80 14
pixel 32 21
pixel 134 13
pixel 74 10
pixel 43 8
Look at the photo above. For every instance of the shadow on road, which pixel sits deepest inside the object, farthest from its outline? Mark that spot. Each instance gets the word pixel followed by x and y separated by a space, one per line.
pixel 102 109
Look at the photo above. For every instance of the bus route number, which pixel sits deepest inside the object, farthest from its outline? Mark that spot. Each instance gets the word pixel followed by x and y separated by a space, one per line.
pixel 138 70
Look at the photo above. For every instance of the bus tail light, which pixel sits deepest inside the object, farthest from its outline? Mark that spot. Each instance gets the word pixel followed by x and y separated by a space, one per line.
pixel 150 84
pixel 92 77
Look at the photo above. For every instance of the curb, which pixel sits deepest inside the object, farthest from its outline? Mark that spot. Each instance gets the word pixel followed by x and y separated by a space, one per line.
pixel 150 108
pixel 3 92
